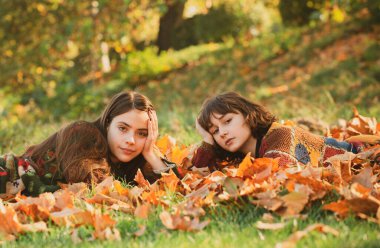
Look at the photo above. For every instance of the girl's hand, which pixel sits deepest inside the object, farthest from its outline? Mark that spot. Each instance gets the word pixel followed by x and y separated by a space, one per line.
pixel 149 148
pixel 206 136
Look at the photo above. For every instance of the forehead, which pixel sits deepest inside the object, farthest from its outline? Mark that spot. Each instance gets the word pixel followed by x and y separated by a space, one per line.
pixel 135 118
pixel 215 118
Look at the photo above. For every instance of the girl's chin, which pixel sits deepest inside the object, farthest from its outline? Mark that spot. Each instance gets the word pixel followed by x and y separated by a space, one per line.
pixel 124 158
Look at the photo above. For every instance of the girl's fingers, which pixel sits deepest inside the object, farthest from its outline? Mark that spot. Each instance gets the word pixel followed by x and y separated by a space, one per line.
pixel 153 117
pixel 155 121
pixel 150 133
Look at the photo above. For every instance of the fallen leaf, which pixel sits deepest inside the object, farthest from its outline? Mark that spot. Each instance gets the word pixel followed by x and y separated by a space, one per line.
pixel 142 211
pixel 295 237
pixel 269 226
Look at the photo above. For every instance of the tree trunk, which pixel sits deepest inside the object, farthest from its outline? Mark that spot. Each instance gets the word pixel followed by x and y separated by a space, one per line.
pixel 168 22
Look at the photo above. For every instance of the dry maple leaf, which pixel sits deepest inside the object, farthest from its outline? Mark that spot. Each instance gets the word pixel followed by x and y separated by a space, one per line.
pixel 295 237
pixel 294 203
pixel 361 125
pixel 72 217
pixel 141 231
pixel 10 225
pixel 245 167
pixel 142 182
pixel 177 154
pixel 120 189
pixel 142 211
pixel 341 208
pixel 165 144
pixel 270 226
pixel 170 181
pixel 184 223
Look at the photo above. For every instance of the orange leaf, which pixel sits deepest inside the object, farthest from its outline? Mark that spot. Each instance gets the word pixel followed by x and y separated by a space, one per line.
pixel 177 154
pixel 142 211
pixel 120 189
pixel 294 202
pixel 141 231
pixel 170 180
pixel 245 167
pixel 165 143
pixel 295 237
pixel 64 199
pixel 10 224
pixel 269 226
pixel 142 182
pixel 72 217
pixel 340 208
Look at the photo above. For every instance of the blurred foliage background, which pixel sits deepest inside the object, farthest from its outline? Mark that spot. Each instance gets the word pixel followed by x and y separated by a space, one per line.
pixel 61 60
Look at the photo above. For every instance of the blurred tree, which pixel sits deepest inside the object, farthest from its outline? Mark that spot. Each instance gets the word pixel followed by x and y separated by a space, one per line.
pixel 297 12
pixel 168 22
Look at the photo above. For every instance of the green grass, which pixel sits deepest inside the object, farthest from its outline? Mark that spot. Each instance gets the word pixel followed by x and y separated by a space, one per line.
pixel 232 225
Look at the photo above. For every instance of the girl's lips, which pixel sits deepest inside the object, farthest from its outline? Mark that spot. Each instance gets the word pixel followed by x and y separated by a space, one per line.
pixel 229 141
pixel 127 151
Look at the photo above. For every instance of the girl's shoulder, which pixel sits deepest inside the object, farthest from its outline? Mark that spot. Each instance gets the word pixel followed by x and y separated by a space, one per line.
pixel 278 131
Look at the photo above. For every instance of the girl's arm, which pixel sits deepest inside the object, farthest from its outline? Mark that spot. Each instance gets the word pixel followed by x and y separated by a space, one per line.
pixel 204 156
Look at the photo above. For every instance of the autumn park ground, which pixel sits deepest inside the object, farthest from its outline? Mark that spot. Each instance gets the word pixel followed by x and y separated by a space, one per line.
pixel 319 74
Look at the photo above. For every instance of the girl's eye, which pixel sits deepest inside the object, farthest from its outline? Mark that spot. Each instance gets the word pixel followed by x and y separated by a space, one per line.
pixel 228 121
pixel 142 134
pixel 215 131
pixel 122 129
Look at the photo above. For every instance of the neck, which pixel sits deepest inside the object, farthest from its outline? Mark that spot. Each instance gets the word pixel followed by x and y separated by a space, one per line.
pixel 249 146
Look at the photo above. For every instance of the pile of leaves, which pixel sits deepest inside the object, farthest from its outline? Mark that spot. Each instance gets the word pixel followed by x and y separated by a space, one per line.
pixel 283 191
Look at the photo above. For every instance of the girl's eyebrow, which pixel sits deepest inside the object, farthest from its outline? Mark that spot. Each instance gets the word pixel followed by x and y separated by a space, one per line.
pixel 220 117
pixel 126 124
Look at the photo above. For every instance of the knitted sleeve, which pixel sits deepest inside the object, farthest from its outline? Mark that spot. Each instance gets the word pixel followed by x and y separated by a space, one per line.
pixel 17 175
pixel 278 144
pixel 204 156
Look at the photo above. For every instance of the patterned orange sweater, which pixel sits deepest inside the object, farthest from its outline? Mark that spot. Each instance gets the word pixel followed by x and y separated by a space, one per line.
pixel 291 144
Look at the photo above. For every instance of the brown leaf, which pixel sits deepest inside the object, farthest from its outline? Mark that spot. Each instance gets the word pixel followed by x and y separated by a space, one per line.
pixel 64 199
pixel 177 155
pixel 294 203
pixel 142 182
pixel 105 186
pixel 295 237
pixel 170 180
pixel 10 225
pixel 364 177
pixel 268 200
pixel 72 217
pixel 141 231
pixel 142 211
pixel 165 143
pixel 341 208
pixel 120 189
pixel 269 226
pixel 185 223
pixel 78 189
pixel 371 139
pixel 245 167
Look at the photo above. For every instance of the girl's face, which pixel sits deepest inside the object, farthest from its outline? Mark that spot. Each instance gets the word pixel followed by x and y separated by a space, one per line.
pixel 232 132
pixel 126 135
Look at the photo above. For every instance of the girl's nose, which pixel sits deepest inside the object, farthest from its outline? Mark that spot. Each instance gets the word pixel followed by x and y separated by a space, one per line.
pixel 223 133
pixel 129 139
